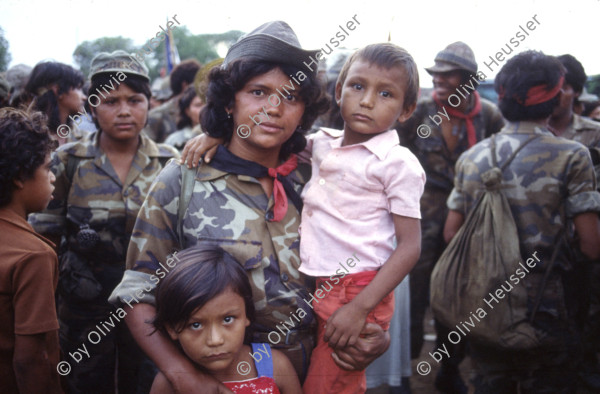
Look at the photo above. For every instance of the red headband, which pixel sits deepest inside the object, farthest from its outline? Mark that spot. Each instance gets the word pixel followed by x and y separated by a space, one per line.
pixel 538 94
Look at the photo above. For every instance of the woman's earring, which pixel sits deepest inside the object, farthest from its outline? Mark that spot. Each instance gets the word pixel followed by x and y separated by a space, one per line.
pixel 228 115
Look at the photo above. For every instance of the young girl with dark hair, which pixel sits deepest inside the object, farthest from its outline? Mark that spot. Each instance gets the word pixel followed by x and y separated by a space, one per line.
pixel 55 89
pixel 205 305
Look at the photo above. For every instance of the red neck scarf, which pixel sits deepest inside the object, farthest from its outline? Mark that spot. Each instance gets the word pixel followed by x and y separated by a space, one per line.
pixel 281 202
pixel 468 117
pixel 282 187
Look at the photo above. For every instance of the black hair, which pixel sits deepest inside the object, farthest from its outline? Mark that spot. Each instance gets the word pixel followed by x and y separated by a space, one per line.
pixel 135 82
pixel 201 274
pixel 575 75
pixel 184 102
pixel 38 88
pixel 388 55
pixel 521 73
pixel 590 107
pixel 24 144
pixel 183 72
pixel 224 83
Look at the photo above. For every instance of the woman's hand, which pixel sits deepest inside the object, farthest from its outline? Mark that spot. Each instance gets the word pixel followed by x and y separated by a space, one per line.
pixel 197 146
pixel 371 344
pixel 344 326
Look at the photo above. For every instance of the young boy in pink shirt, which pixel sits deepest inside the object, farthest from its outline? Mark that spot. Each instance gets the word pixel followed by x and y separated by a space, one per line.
pixel 364 191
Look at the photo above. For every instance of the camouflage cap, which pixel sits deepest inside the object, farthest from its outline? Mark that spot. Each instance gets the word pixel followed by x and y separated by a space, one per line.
pixel 456 56
pixel 117 61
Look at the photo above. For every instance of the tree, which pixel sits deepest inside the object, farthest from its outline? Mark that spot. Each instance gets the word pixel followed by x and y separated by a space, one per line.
pixel 201 47
pixel 5 57
pixel 85 52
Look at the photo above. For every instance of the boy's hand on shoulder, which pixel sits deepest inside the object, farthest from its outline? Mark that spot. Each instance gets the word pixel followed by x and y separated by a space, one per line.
pixel 197 146
pixel 344 326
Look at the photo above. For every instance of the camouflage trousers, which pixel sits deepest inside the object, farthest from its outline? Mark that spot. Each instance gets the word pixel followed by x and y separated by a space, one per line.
pixel 96 342
pixel 550 369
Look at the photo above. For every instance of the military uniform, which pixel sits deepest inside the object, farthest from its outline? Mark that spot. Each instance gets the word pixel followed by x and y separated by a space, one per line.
pixel 587 132
pixel 92 259
pixel 234 212
pixel 162 121
pixel 179 138
pixel 438 162
pixel 548 183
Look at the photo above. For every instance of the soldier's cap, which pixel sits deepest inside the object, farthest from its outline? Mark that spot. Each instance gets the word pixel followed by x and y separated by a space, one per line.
pixel 118 61
pixel 456 56
pixel 273 42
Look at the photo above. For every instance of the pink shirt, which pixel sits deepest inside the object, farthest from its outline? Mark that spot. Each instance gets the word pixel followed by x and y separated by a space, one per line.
pixel 350 199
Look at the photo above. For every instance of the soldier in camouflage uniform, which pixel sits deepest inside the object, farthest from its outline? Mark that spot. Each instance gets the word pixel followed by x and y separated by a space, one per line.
pixel 437 154
pixel 97 198
pixel 567 124
pixel 549 185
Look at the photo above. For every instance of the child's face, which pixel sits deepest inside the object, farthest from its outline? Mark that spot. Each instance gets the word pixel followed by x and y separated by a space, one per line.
pixel 214 334
pixel 38 190
pixel 371 98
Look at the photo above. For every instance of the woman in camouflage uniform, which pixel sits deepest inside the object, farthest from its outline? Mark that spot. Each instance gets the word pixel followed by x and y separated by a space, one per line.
pixel 101 184
pixel 246 201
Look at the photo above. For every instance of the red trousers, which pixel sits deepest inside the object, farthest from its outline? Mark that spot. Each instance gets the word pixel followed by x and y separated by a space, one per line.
pixel 324 376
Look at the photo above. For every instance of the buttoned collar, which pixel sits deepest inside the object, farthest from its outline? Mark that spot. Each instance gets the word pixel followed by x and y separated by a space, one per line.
pixel 380 144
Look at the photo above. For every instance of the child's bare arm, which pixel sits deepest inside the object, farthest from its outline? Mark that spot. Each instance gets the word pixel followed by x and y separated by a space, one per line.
pixel 284 374
pixel 197 146
pixel 34 367
pixel 345 324
pixel 161 385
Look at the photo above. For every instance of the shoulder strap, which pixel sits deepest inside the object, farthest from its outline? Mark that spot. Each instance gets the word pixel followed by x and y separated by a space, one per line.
pixel 188 178
pixel 264 366
pixel 514 154
pixel 72 164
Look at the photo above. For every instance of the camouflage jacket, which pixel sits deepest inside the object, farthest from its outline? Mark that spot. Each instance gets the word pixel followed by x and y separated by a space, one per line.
pixel 179 138
pixel 162 121
pixel 550 181
pixel 435 157
pixel 230 210
pixel 586 132
pixel 96 197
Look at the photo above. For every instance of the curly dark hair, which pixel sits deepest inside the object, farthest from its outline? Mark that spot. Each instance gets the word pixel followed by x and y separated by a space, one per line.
pixel 521 73
pixel 42 77
pixel 225 83
pixel 24 144
pixel 184 102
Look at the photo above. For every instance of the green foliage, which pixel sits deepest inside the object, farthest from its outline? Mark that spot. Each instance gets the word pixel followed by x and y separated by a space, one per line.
pixel 5 57
pixel 85 52
pixel 202 47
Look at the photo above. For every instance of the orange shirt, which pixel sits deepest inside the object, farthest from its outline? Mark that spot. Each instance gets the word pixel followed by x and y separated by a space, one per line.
pixel 28 279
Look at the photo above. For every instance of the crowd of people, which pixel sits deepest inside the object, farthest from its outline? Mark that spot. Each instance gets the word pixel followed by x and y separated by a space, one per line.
pixel 296 257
